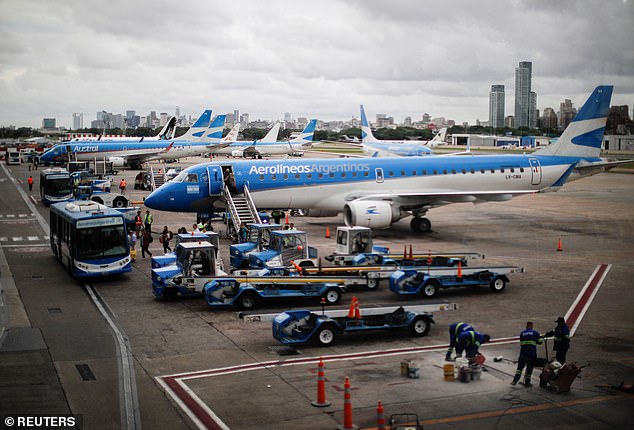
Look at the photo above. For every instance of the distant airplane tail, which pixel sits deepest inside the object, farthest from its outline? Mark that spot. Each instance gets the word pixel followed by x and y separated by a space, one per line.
pixel 167 132
pixel 271 136
pixel 306 136
pixel 584 135
pixel 197 130
pixel 366 132
pixel 439 139
pixel 214 132
pixel 232 136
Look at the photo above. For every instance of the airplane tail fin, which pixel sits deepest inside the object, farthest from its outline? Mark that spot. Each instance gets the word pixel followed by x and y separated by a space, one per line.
pixel 271 136
pixel 198 129
pixel 214 132
pixel 306 135
pixel 366 132
pixel 439 138
pixel 584 135
pixel 232 136
pixel 167 132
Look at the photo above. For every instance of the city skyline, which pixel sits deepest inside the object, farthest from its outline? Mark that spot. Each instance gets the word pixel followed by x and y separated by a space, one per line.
pixel 315 62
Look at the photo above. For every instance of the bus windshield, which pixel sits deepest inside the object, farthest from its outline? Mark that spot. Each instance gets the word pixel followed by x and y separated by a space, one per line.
pixel 57 186
pixel 99 238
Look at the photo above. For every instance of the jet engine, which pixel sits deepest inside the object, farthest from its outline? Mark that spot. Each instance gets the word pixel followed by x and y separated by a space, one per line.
pixel 369 213
pixel 117 161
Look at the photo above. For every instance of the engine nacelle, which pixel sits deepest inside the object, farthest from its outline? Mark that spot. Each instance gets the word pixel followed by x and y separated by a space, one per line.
pixel 369 213
pixel 117 161
pixel 237 153
pixel 320 212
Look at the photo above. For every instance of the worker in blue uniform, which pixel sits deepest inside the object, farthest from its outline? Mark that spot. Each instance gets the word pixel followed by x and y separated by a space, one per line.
pixel 561 334
pixel 470 341
pixel 529 339
pixel 455 330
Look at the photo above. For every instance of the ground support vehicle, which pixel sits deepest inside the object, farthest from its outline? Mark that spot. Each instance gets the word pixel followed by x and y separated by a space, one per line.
pixel 55 186
pixel 246 295
pixel 352 241
pixel 285 246
pixel 171 257
pixel 258 240
pixel 195 265
pixel 303 326
pixel 426 283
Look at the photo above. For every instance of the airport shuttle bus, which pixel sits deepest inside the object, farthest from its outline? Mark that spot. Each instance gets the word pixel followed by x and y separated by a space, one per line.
pixel 89 239
pixel 55 186
pixel 13 157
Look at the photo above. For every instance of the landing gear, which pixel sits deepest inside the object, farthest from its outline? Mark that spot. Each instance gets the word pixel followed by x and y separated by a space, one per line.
pixel 420 225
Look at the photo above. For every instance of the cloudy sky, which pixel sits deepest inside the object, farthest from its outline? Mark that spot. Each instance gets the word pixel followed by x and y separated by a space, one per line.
pixel 310 58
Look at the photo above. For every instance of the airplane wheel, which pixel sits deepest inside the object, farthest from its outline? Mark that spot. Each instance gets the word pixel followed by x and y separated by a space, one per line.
pixel 326 336
pixel 419 327
pixel 420 225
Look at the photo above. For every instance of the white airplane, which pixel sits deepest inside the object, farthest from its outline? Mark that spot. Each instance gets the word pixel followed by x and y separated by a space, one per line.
pixel 376 192
pixel 265 147
pixel 166 133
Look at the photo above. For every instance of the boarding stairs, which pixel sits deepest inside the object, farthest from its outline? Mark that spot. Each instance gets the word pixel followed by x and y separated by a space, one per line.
pixel 241 208
pixel 157 178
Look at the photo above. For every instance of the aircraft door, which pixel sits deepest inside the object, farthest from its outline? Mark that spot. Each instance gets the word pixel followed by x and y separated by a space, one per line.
pixel 215 180
pixel 379 175
pixel 536 171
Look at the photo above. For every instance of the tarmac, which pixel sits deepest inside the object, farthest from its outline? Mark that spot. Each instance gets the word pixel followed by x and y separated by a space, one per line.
pixel 197 368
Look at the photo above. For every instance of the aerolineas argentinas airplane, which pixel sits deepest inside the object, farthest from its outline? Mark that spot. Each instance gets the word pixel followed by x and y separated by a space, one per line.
pixel 376 192
pixel 200 138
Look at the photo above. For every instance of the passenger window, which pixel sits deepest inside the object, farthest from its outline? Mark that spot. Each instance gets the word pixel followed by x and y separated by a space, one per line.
pixel 274 177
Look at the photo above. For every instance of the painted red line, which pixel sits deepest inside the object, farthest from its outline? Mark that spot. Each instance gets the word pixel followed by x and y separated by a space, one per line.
pixel 594 283
pixel 193 406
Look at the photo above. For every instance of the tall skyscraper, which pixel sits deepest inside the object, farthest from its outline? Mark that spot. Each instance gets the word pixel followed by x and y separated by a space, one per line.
pixel 523 76
pixel 78 121
pixel 496 106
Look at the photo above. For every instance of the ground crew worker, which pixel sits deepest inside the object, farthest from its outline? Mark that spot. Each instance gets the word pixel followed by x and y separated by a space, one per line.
pixel 30 182
pixel 138 223
pixel 147 222
pixel 122 186
pixel 529 339
pixel 470 341
pixel 455 330
pixel 562 339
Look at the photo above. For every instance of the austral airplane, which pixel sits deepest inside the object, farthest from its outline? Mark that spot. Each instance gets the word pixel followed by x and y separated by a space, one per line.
pixel 377 192
pixel 200 138
pixel 260 148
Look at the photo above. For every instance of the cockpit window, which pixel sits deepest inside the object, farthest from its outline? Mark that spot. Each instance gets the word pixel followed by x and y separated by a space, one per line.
pixel 180 177
pixel 191 177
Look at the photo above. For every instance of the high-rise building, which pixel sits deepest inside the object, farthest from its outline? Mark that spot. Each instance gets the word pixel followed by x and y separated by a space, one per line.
pixel 533 114
pixel 566 113
pixel 244 121
pixel 523 75
pixel 48 123
pixel 78 121
pixel 496 106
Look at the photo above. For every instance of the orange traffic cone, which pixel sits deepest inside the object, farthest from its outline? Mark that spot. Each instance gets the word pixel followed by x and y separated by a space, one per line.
pixel 405 251
pixel 411 255
pixel 327 232
pixel 347 407
pixel 559 248
pixel 380 418
pixel 286 221
pixel 459 270
pixel 351 309
pixel 357 312
pixel 321 401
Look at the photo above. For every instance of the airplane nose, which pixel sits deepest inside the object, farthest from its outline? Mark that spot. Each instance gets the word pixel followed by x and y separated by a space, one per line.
pixel 155 200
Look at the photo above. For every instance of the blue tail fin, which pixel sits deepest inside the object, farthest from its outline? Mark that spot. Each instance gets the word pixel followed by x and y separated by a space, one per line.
pixel 584 135
pixel 198 129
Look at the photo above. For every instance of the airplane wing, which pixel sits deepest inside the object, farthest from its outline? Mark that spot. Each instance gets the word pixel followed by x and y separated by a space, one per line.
pixel 217 146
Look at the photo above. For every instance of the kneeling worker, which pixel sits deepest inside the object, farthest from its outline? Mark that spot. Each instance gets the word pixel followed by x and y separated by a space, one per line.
pixel 471 341
pixel 455 330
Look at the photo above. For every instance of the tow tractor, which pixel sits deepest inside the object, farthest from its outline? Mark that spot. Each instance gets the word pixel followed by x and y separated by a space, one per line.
pixel 246 295
pixel 304 326
pixel 427 282
pixel 285 246
pixel 258 240
pixel 171 257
